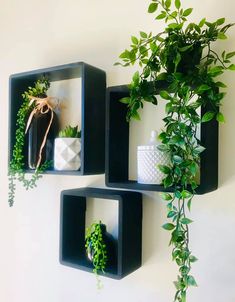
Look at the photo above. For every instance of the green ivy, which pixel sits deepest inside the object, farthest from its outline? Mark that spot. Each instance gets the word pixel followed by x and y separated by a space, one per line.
pixel 180 67
pixel 16 168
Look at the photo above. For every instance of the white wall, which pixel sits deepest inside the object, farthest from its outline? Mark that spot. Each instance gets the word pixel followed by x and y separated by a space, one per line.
pixel 37 34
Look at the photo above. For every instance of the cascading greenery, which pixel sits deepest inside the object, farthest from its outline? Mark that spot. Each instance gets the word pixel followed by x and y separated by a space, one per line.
pixel 96 249
pixel 182 57
pixel 16 167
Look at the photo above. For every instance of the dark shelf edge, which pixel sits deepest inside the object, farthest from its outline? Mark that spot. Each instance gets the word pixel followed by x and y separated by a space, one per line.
pixel 134 185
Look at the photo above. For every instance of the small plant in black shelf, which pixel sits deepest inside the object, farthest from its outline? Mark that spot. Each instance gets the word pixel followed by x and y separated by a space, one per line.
pixel 67 149
pixel 36 127
pixel 99 248
pixel 182 58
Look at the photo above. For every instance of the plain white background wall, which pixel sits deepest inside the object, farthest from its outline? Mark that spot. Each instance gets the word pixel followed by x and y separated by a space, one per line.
pixel 37 34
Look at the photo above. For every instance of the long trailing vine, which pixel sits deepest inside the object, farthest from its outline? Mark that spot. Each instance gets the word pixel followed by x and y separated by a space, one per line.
pixel 96 249
pixel 182 60
pixel 17 164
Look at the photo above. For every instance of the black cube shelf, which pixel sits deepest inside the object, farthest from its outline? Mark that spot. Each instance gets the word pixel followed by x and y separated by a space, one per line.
pixel 93 83
pixel 117 147
pixel 72 230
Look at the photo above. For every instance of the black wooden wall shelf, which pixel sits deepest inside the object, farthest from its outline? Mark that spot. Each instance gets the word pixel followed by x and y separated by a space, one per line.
pixel 93 83
pixel 72 230
pixel 117 147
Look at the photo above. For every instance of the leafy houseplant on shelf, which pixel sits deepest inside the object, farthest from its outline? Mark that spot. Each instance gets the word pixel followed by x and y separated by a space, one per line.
pixel 67 148
pixel 180 63
pixel 36 127
pixel 96 248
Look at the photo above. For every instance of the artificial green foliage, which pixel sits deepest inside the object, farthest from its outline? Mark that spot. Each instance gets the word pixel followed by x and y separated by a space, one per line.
pixel 16 167
pixel 179 67
pixel 70 131
pixel 95 246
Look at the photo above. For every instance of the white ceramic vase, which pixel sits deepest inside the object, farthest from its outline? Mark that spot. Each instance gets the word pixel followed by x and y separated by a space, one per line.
pixel 148 159
pixel 66 154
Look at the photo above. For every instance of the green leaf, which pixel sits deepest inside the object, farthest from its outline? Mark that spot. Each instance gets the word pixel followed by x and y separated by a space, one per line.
pixel 177 4
pixel 215 71
pixel 168 226
pixel 185 48
pixel 203 88
pixel 221 35
pixel 231 67
pixel 152 8
pixel 230 55
pixel 161 16
pixel 183 296
pixel 135 115
pixel 193 259
pixel 220 84
pixel 191 281
pixel 208 116
pixel 186 194
pixel 125 100
pixel 125 55
pixel 168 181
pixel 220 21
pixel 136 78
pixel 168 3
pixel 171 214
pixel 189 204
pixel 143 35
pixel 202 22
pixel 162 147
pixel 199 149
pixel 187 12
pixel 164 169
pixel 220 117
pixel 186 220
pixel 134 40
pixel 166 196
pixel 177 159
pixel 165 95
pixel 173 25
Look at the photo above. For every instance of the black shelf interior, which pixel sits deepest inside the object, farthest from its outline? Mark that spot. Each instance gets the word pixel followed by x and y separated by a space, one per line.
pixel 93 83
pixel 117 147
pixel 128 247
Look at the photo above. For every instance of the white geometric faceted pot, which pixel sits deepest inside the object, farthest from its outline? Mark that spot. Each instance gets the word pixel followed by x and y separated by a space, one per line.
pixel 66 154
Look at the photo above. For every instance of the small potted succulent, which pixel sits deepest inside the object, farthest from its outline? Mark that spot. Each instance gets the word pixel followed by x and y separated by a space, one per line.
pixel 67 148
pixel 99 248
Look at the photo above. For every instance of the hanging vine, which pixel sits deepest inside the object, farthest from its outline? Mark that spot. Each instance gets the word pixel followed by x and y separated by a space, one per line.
pixel 182 59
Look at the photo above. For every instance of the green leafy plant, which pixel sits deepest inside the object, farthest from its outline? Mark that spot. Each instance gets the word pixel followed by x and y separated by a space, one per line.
pixel 180 65
pixel 70 132
pixel 96 249
pixel 16 167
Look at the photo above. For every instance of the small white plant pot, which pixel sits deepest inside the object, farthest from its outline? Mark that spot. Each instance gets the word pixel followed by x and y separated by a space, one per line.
pixel 66 154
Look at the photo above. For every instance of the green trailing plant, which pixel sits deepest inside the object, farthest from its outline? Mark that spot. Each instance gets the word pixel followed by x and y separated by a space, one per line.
pixel 70 131
pixel 16 167
pixel 96 249
pixel 180 65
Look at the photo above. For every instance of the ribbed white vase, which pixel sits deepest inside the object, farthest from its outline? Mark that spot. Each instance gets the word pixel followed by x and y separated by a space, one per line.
pixel 66 154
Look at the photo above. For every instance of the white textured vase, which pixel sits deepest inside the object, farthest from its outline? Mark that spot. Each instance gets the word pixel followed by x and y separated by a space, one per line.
pixel 148 159
pixel 66 154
